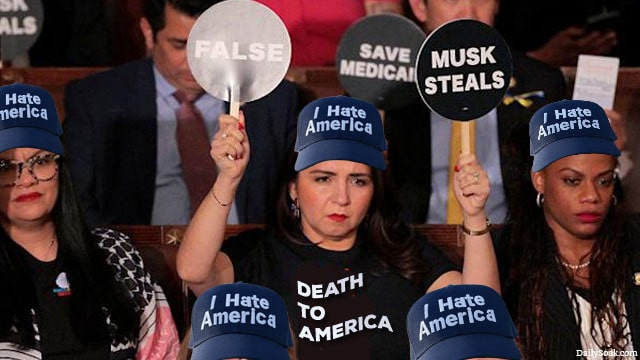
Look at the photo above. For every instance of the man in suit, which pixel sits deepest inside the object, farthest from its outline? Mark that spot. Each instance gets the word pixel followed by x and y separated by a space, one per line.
pixel 418 149
pixel 120 130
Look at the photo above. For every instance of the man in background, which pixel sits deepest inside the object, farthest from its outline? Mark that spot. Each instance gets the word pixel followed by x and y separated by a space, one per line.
pixel 120 130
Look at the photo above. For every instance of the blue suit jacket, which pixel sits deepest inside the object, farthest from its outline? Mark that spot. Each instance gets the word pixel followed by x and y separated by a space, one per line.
pixel 110 135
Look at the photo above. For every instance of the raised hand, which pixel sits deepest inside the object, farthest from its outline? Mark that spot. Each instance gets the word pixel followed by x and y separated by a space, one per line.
pixel 471 186
pixel 230 147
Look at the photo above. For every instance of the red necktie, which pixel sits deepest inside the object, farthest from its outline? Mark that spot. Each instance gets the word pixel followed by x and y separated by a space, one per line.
pixel 198 168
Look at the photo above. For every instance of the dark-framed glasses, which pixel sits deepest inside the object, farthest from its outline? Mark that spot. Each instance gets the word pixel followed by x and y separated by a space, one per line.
pixel 41 167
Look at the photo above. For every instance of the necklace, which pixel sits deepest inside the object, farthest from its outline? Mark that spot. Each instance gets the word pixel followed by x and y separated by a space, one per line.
pixel 574 267
pixel 53 240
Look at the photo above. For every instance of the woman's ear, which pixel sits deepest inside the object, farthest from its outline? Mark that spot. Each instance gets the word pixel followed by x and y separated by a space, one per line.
pixel 293 191
pixel 537 178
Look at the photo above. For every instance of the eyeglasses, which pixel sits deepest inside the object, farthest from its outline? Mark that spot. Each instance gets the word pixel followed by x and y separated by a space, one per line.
pixel 41 168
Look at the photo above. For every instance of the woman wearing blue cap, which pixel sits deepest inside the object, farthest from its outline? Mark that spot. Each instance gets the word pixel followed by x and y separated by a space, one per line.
pixel 67 292
pixel 348 269
pixel 570 263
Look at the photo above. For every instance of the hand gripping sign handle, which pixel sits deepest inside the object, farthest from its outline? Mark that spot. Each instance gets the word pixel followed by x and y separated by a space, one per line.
pixel 462 136
pixel 234 103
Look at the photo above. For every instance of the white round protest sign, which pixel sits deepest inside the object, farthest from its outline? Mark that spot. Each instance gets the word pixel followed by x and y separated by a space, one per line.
pixel 463 69
pixel 375 60
pixel 238 50
pixel 20 25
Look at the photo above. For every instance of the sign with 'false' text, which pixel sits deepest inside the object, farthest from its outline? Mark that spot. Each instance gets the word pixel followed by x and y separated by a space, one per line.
pixel 241 45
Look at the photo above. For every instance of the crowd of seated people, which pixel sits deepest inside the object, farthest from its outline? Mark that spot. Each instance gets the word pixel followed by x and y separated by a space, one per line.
pixel 564 224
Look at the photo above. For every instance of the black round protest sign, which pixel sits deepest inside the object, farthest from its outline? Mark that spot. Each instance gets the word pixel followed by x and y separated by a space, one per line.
pixel 375 60
pixel 20 25
pixel 239 46
pixel 463 69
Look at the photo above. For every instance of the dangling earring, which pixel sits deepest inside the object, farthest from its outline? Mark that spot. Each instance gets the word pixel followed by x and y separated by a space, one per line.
pixel 615 199
pixel 539 199
pixel 295 209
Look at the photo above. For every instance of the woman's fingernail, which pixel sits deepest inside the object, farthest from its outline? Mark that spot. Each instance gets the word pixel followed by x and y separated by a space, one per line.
pixel 240 126
pixel 456 168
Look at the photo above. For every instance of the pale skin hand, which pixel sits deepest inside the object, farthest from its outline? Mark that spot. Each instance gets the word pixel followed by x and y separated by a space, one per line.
pixel 480 263
pixel 563 48
pixel 199 261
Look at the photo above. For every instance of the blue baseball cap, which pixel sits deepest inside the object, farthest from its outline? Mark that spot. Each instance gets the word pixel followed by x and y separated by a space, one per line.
pixel 340 128
pixel 240 320
pixel 461 322
pixel 28 118
pixel 569 127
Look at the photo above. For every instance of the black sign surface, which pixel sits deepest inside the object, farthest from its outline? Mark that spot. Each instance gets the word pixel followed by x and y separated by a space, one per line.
pixel 375 60
pixel 463 69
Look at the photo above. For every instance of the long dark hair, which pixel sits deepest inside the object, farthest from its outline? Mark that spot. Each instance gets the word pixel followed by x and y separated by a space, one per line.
pixel 535 252
pixel 92 280
pixel 392 240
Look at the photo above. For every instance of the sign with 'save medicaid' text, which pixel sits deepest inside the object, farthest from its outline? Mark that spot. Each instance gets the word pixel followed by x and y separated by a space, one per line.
pixel 376 58
pixel 463 69
pixel 239 50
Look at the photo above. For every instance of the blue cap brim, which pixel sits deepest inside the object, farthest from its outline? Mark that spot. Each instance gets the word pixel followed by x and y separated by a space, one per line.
pixel 573 146
pixel 232 345
pixel 339 149
pixel 30 137
pixel 473 346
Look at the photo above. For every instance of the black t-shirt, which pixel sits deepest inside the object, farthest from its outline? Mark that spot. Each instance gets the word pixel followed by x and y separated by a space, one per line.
pixel 341 304
pixel 58 340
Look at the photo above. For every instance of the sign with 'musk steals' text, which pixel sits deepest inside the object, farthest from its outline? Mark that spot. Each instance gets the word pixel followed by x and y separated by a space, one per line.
pixel 239 50
pixel 376 58
pixel 463 69
pixel 20 25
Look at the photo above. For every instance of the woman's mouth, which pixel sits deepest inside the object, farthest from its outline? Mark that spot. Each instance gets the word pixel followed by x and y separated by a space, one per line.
pixel 28 197
pixel 338 217
pixel 589 217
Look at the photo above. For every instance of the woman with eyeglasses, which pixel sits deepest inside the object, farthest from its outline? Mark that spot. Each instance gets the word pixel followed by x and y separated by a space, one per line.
pixel 68 292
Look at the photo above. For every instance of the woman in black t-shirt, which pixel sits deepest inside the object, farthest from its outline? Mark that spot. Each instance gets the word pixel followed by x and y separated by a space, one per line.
pixel 337 252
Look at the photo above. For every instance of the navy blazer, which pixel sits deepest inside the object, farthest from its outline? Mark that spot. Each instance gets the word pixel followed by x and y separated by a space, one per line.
pixel 408 134
pixel 110 135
